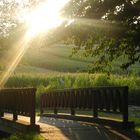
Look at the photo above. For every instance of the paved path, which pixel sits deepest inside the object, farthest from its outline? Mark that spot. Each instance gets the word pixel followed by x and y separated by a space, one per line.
pixel 60 129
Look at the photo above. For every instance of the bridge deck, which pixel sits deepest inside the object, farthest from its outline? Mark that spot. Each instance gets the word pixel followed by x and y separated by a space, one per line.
pixel 60 129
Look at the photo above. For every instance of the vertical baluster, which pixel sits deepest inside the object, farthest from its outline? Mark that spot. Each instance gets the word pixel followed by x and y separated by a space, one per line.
pixel 51 99
pixel 114 100
pixel 119 100
pixel 59 99
pixel 125 105
pixel 85 98
pixel 108 98
pixel 55 102
pixel 42 100
pixel 47 101
pixel 103 97
pixel 82 98
pixel 89 99
pixel 72 103
pixel 63 99
pixel 26 98
pixel 78 98
pixel 1 103
pixel 14 104
pixel 111 99
pixel 95 96
pixel 100 99
pixel 32 117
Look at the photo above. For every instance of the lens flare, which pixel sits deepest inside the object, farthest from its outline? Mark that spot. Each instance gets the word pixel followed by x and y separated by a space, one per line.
pixel 45 16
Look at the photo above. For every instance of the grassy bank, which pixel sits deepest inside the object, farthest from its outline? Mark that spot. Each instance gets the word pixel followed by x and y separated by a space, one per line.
pixel 24 136
pixel 45 82
pixel 57 58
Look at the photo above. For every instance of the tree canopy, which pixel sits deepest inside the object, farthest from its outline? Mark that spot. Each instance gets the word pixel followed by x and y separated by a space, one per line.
pixel 120 36
pixel 104 28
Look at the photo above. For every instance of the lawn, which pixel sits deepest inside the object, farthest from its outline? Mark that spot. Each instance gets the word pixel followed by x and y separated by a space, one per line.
pixel 52 68
pixel 24 136
pixel 56 58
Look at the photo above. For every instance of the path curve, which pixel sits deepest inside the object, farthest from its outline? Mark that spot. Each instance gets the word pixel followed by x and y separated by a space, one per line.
pixel 60 129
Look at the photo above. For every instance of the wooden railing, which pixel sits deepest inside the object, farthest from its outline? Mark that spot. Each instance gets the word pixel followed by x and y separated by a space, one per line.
pixel 18 102
pixel 108 99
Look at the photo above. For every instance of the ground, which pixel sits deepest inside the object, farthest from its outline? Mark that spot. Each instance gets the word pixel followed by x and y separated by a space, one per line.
pixel 62 129
pixel 54 58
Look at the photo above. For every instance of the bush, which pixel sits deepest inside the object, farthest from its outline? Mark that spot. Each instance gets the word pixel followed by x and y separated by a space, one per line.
pixel 45 83
pixel 25 136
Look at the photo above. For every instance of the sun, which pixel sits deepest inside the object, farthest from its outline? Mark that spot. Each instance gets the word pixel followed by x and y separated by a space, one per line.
pixel 45 16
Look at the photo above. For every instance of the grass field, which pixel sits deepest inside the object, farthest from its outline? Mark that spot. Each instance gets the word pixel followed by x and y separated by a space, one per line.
pixel 24 136
pixel 52 68
pixel 56 58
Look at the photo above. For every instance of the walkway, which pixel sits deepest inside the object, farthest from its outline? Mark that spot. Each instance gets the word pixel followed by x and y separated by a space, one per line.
pixel 60 129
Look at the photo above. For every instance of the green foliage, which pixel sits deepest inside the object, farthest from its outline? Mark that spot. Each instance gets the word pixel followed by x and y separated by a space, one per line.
pixel 119 35
pixel 56 58
pixel 25 136
pixel 45 83
pixel 102 80
pixel 137 130
pixel 82 81
pixel 115 35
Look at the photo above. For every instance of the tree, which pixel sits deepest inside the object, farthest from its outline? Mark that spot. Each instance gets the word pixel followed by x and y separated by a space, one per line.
pixel 104 28
pixel 12 27
pixel 122 38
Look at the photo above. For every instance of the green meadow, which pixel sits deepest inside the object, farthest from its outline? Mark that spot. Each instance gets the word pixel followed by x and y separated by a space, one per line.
pixel 53 68
pixel 57 58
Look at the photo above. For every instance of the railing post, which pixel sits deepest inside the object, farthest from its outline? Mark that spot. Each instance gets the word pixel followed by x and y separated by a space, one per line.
pixel 41 105
pixel 95 103
pixel 15 117
pixel 55 111
pixel 72 98
pixel 41 111
pixel 1 114
pixel 72 111
pixel 125 105
pixel 32 117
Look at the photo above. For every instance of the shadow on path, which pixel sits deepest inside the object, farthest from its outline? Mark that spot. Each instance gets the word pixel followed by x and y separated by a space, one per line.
pixel 60 129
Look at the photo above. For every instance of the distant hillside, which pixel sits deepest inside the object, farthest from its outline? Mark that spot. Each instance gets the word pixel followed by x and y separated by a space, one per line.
pixel 56 59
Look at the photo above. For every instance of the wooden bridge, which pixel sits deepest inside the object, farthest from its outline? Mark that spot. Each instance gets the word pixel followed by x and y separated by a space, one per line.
pixel 21 102
pixel 17 102
pixel 105 99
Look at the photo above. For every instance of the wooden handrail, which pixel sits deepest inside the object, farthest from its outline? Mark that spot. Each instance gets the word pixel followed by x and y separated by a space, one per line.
pixel 18 101
pixel 108 99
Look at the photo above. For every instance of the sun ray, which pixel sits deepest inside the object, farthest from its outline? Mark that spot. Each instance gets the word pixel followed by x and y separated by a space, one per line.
pixel 44 17
pixel 22 46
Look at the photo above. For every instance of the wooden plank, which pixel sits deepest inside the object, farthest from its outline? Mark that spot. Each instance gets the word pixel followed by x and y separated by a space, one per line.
pixel 95 103
pixel 99 98
pixel 125 105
